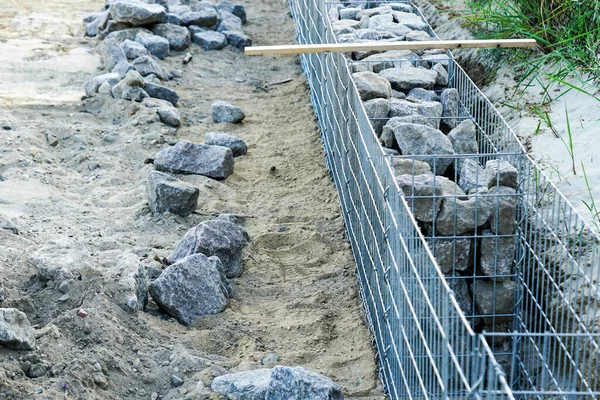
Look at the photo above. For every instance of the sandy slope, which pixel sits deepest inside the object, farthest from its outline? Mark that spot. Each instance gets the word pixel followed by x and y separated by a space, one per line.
pixel 298 295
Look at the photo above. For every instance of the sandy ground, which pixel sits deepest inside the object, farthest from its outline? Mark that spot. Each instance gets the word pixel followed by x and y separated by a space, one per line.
pixel 298 295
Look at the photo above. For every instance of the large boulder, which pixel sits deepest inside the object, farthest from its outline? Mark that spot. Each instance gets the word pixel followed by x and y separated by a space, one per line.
pixel 166 193
pixel 157 46
pixel 178 36
pixel 371 86
pixel 15 330
pixel 61 259
pixel 301 384
pixel 247 385
pixel 225 112
pixel 407 77
pixel 416 139
pixel 216 237
pixel 199 159
pixel 238 146
pixel 191 288
pixel 129 286
pixel 136 13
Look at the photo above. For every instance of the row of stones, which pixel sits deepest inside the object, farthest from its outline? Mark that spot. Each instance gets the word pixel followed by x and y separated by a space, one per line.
pixel 415 114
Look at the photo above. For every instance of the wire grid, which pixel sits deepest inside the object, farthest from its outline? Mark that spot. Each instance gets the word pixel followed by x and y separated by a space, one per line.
pixel 426 346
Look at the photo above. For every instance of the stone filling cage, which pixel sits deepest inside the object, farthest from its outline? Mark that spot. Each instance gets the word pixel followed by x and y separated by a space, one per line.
pixel 485 293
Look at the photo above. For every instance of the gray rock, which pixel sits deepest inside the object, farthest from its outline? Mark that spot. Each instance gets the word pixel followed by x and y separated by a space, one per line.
pixel 416 139
pixel 225 112
pixel 500 173
pixel 350 38
pixel 136 13
pixel 451 254
pixel 497 255
pixel 176 381
pixel 247 385
pixel 345 26
pixel 91 17
pixel 406 78
pixel 385 23
pixel 377 110
pixel 460 287
pixel 178 8
pixel 372 86
pixel 91 87
pixel 401 7
pixel 210 40
pixel 301 384
pixel 178 36
pixel 423 94
pixel 349 13
pixel 152 79
pixel 463 138
pixel 130 87
pixel 129 286
pixel 388 140
pixel 431 110
pixel 410 119
pixel 369 12
pixel 214 238
pixel 156 45
pixel 450 102
pixel 190 288
pixel 229 22
pixel 7 224
pixel 205 18
pixel 410 20
pixel 471 175
pixel 105 89
pixel 423 194
pixel 161 92
pixel 458 216
pixel 111 53
pixel 15 330
pixel 93 28
pixel 166 193
pixel 171 18
pixel 126 34
pixel 494 297
pixel 371 34
pixel 236 9
pixel 407 166
pixel 417 36
pixel 237 39
pixel 199 159
pixel 122 68
pixel 146 65
pixel 238 146
pixel 442 74
pixel 504 207
pixel 428 60
pixel 61 259
pixel 165 110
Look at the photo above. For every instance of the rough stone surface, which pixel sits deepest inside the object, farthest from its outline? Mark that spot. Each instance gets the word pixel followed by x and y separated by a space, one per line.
pixel 178 36
pixel 238 146
pixel 166 193
pixel 165 110
pixel 471 175
pixel 458 216
pixel 190 288
pixel 146 65
pixel 407 166
pixel 406 78
pixel 210 40
pixel 91 87
pixel 161 92
pixel 248 385
pixel 500 173
pixel 442 74
pixel 133 49
pixel 125 34
pixel 449 99
pixel 111 53
pixel 156 45
pixel 205 18
pixel 229 22
pixel 460 287
pixel 349 13
pixel 416 139
pixel 236 9
pixel 389 59
pixel 129 285
pixel 130 87
pixel 423 194
pixel 497 255
pixel 15 330
pixel 237 39
pixel 298 383
pixel 463 138
pixel 388 140
pixel 136 12
pixel 214 238
pixel 408 119
pixel 345 26
pixel 418 36
pixel 431 110
pixel 504 206
pixel 494 297
pixel 423 94
pixel 225 112
pixel 451 254
pixel 61 259
pixel 410 20
pixel 372 86
pixel 122 68
pixel 377 110
pixel 199 159
pixel 385 23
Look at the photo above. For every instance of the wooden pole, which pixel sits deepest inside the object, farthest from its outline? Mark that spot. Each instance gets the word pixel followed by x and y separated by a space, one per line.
pixel 370 46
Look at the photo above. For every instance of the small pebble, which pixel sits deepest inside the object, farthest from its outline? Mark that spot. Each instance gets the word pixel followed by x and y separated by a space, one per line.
pixel 82 313
pixel 176 381
pixel 282 228
pixel 6 126
pixel 64 287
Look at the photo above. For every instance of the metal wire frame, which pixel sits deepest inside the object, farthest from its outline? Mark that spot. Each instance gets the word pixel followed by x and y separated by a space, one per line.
pixel 426 346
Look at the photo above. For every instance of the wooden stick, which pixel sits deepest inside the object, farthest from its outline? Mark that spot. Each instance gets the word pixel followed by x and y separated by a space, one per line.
pixel 423 45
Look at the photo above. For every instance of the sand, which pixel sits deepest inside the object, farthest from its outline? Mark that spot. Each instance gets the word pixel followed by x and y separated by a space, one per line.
pixel 298 296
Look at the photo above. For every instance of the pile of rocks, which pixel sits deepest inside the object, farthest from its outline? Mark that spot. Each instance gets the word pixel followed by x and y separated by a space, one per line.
pixel 466 211
pixel 137 34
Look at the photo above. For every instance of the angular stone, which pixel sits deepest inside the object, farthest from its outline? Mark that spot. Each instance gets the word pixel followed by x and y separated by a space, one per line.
pixel 165 110
pixel 126 34
pixel 369 12
pixel 237 39
pixel 494 297
pixel 377 110
pixel 423 94
pixel 156 45
pixel 129 286
pixel 460 287
pixel 431 110
pixel 111 53
pixel 190 288
pixel 236 9
pixel 178 36
pixel 136 13
pixel 504 206
pixel 349 13
pixel 345 26
pixel 133 49
pixel 225 112
pixel 372 86
pixel 299 383
pixel 385 23
pixel 229 22
pixel 463 138
pixel 497 255
pixel 406 78
pixel 423 194
pixel 388 139
pixel 450 101
pixel 214 238
pixel 500 173
pixel 408 119
pixel 205 18
pixel 161 92
pixel 417 36
pixel 471 175
pixel 146 65
pixel 428 60
pixel 210 40
pixel 93 28
pixel 166 193
pixel 390 59
pixel 451 254
pixel 416 139
pixel 91 87
pixel 372 34
pixel 410 20
pixel 199 159
pixel 61 259
pixel 171 18
pixel 407 166
pixel 442 75
pixel 15 330
pixel 238 146
pixel 458 216
pixel 249 385
pixel 130 88
pixel 122 68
